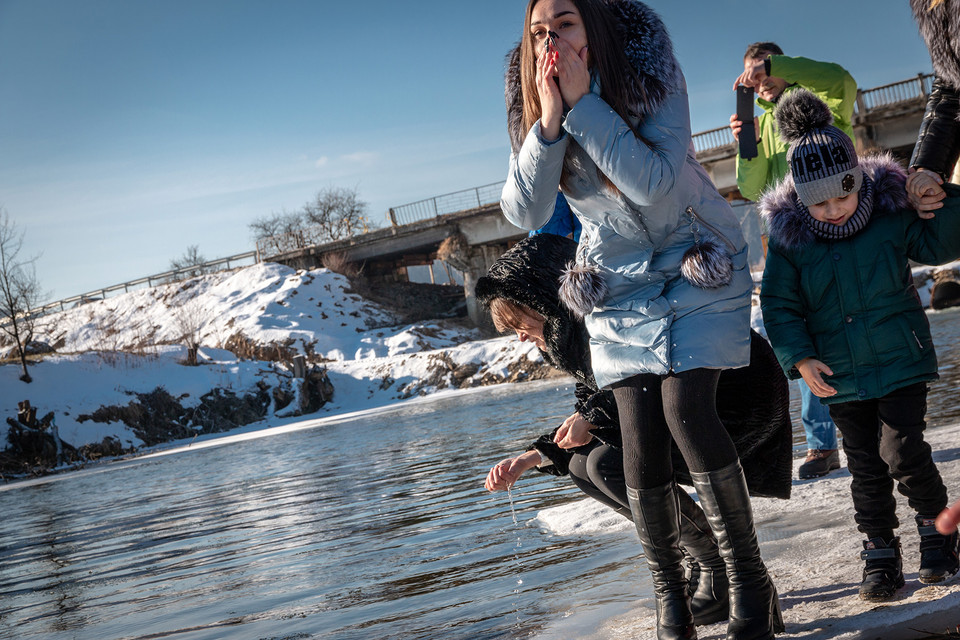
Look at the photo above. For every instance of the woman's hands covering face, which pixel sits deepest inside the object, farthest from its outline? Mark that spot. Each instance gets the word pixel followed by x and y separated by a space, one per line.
pixel 562 78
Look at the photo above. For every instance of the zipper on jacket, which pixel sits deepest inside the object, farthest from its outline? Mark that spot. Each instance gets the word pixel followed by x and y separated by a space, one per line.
pixel 698 220
pixel 919 344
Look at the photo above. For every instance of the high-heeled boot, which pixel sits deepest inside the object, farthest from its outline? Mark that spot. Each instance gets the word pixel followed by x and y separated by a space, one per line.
pixel 709 600
pixel 656 516
pixel 754 606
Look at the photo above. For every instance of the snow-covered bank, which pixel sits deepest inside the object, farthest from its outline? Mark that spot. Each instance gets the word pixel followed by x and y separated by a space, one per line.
pixel 812 548
pixel 250 323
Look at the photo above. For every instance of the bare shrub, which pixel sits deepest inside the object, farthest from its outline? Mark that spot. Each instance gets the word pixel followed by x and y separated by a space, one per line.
pixel 336 213
pixel 188 320
pixel 333 214
pixel 338 262
pixel 455 251
pixel 189 265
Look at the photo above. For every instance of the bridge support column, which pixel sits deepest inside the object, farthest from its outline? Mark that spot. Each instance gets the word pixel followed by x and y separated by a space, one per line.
pixel 481 258
pixel 473 261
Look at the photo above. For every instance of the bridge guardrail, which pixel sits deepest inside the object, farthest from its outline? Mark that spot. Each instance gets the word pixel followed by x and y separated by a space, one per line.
pixel 210 266
pixel 446 203
pixel 917 88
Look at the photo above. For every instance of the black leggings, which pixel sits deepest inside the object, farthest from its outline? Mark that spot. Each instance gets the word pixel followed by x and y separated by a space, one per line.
pixel 597 470
pixel 679 406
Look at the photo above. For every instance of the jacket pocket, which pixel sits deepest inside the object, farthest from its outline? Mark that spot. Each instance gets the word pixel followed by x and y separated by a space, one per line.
pixel 914 339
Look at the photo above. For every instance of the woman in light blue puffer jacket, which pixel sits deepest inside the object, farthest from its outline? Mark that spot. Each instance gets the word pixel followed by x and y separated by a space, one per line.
pixel 597 105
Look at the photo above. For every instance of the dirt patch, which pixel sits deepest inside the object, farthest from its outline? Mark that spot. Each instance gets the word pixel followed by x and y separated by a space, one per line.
pixel 447 374
pixel 246 349
pixel 413 301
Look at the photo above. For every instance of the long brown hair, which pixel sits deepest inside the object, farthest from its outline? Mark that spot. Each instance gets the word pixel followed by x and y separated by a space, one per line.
pixel 607 59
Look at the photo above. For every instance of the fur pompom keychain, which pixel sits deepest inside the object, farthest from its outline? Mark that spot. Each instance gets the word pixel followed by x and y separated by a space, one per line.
pixel 581 288
pixel 707 264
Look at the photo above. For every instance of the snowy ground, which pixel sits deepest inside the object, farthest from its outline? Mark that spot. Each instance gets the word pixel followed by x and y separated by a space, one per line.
pixel 814 561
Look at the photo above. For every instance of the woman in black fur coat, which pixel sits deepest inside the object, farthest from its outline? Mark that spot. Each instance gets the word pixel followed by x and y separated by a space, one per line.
pixel 753 402
pixel 938 142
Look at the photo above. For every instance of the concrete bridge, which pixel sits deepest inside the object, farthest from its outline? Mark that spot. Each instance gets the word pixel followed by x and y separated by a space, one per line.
pixel 467 230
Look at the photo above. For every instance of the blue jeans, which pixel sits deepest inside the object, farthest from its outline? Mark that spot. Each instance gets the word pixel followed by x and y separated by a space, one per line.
pixel 819 427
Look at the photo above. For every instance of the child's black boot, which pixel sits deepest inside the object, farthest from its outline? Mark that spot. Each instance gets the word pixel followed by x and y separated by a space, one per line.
pixel 938 553
pixel 883 574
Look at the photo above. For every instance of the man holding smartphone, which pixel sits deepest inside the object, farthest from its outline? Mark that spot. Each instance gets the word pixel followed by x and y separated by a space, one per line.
pixel 770 75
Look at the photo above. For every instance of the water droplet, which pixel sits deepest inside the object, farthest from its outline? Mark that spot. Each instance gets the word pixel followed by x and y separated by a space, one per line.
pixel 519 581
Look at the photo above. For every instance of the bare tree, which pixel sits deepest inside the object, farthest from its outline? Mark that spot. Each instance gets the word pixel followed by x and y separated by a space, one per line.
pixel 336 213
pixel 333 214
pixel 278 231
pixel 190 264
pixel 20 291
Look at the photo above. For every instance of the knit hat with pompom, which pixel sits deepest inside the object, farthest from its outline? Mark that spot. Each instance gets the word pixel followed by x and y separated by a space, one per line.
pixel 822 158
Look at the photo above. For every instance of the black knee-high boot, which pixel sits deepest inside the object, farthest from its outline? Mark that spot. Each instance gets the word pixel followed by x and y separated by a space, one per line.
pixel 710 601
pixel 656 515
pixel 754 607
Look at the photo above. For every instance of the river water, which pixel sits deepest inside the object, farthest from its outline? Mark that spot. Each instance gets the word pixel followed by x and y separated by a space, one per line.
pixel 371 526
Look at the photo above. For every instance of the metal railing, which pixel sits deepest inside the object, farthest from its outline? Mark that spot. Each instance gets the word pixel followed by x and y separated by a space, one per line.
pixel 447 203
pixel 917 88
pixel 712 139
pixel 211 266
pixel 291 241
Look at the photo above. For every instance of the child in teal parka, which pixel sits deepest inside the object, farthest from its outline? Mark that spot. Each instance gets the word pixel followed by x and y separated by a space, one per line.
pixel 841 310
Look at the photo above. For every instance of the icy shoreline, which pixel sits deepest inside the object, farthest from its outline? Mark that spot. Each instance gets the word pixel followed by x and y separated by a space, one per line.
pixel 817 570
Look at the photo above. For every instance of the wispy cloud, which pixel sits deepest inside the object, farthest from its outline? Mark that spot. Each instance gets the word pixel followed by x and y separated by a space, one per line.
pixel 362 157
pixel 322 162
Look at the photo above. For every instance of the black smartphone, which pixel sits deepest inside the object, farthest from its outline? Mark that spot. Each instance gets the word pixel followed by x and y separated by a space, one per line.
pixel 748 134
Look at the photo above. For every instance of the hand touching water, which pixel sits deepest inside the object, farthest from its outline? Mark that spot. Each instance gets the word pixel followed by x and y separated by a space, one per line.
pixel 503 474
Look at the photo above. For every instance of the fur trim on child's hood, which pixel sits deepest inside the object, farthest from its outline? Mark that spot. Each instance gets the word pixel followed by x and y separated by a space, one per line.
pixel 781 211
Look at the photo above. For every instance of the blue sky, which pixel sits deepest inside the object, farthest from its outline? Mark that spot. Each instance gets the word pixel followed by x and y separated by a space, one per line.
pixel 132 129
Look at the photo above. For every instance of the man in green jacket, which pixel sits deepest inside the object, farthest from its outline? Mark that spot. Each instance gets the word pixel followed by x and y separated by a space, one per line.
pixel 773 75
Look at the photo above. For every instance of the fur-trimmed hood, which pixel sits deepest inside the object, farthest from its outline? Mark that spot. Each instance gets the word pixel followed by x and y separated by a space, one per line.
pixel 940 28
pixel 779 205
pixel 529 274
pixel 646 44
